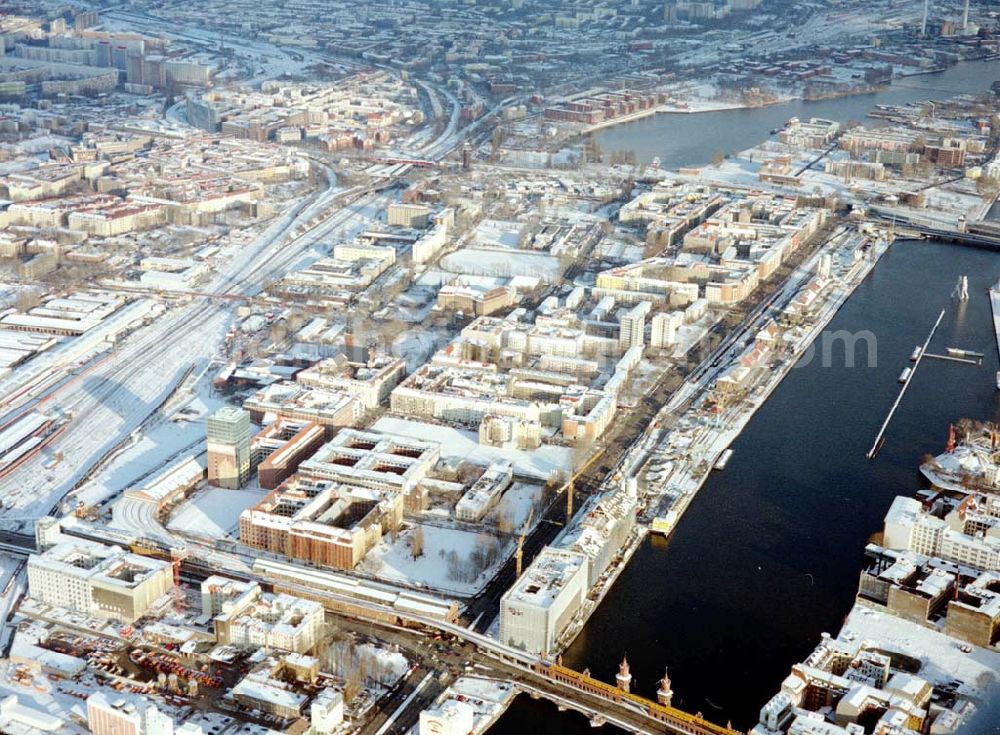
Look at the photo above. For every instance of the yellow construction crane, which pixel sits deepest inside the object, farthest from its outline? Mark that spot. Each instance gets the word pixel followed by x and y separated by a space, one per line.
pixel 177 557
pixel 519 554
pixel 569 486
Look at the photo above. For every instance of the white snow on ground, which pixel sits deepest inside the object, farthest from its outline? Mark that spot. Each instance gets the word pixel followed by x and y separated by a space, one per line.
pixel 444 564
pixel 953 199
pixel 415 346
pixel 178 431
pixel 391 665
pixel 213 512
pixel 118 397
pixel 501 262
pixel 517 502
pixel 463 444
pixel 943 661
pixel 493 233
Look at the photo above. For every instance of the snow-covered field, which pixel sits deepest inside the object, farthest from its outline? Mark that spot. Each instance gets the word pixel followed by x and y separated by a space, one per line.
pixel 501 262
pixel 446 563
pixel 493 233
pixel 213 512
pixel 516 503
pixel 415 346
pixel 178 430
pixel 463 444
pixel 941 657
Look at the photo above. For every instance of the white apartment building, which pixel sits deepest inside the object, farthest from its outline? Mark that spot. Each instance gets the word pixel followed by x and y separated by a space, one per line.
pixel 371 383
pixel 459 396
pixel 408 215
pixel 224 595
pixel 273 621
pixel 536 610
pixel 99 581
pixel 326 713
pixel 506 430
pixel 449 718
pixel 352 251
pixel 633 326
pixel 431 243
pixel 126 716
pixel 664 328
pixel 909 527
pixel 484 493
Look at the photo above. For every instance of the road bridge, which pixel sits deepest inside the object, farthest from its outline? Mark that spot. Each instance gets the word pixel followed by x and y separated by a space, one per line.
pixel 603 702
pixel 19 544
pixel 976 234
pixel 591 696
pixel 538 676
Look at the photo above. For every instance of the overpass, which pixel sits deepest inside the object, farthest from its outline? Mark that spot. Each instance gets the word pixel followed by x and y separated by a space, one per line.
pixel 533 674
pixel 18 544
pixel 977 239
pixel 536 675
pixel 978 234
pixel 415 162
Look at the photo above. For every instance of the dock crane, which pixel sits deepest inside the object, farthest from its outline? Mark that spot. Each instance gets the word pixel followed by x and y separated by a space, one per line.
pixel 519 554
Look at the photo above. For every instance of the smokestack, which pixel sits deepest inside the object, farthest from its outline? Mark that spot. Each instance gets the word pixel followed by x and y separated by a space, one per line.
pixel 923 23
pixel 965 17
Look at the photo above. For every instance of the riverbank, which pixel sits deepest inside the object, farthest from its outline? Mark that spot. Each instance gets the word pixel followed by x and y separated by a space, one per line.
pixel 681 140
pixel 691 109
pixel 687 404
pixel 687 399
pixel 695 107
pixel 767 556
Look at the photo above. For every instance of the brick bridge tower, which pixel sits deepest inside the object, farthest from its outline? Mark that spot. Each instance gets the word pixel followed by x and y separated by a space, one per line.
pixel 624 678
pixel 665 694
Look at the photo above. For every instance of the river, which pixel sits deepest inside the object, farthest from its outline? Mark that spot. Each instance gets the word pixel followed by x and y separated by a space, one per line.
pixel 691 139
pixel 767 556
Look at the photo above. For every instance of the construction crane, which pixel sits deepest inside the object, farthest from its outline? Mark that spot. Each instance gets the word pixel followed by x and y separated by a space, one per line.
pixel 569 487
pixel 519 554
pixel 177 557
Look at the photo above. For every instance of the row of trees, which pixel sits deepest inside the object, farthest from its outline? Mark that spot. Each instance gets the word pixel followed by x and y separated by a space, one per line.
pixel 359 666
pixel 485 555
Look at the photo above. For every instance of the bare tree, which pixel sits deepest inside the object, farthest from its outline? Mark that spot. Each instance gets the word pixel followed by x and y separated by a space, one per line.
pixel 987 186
pixel 505 523
pixel 353 684
pixel 417 542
